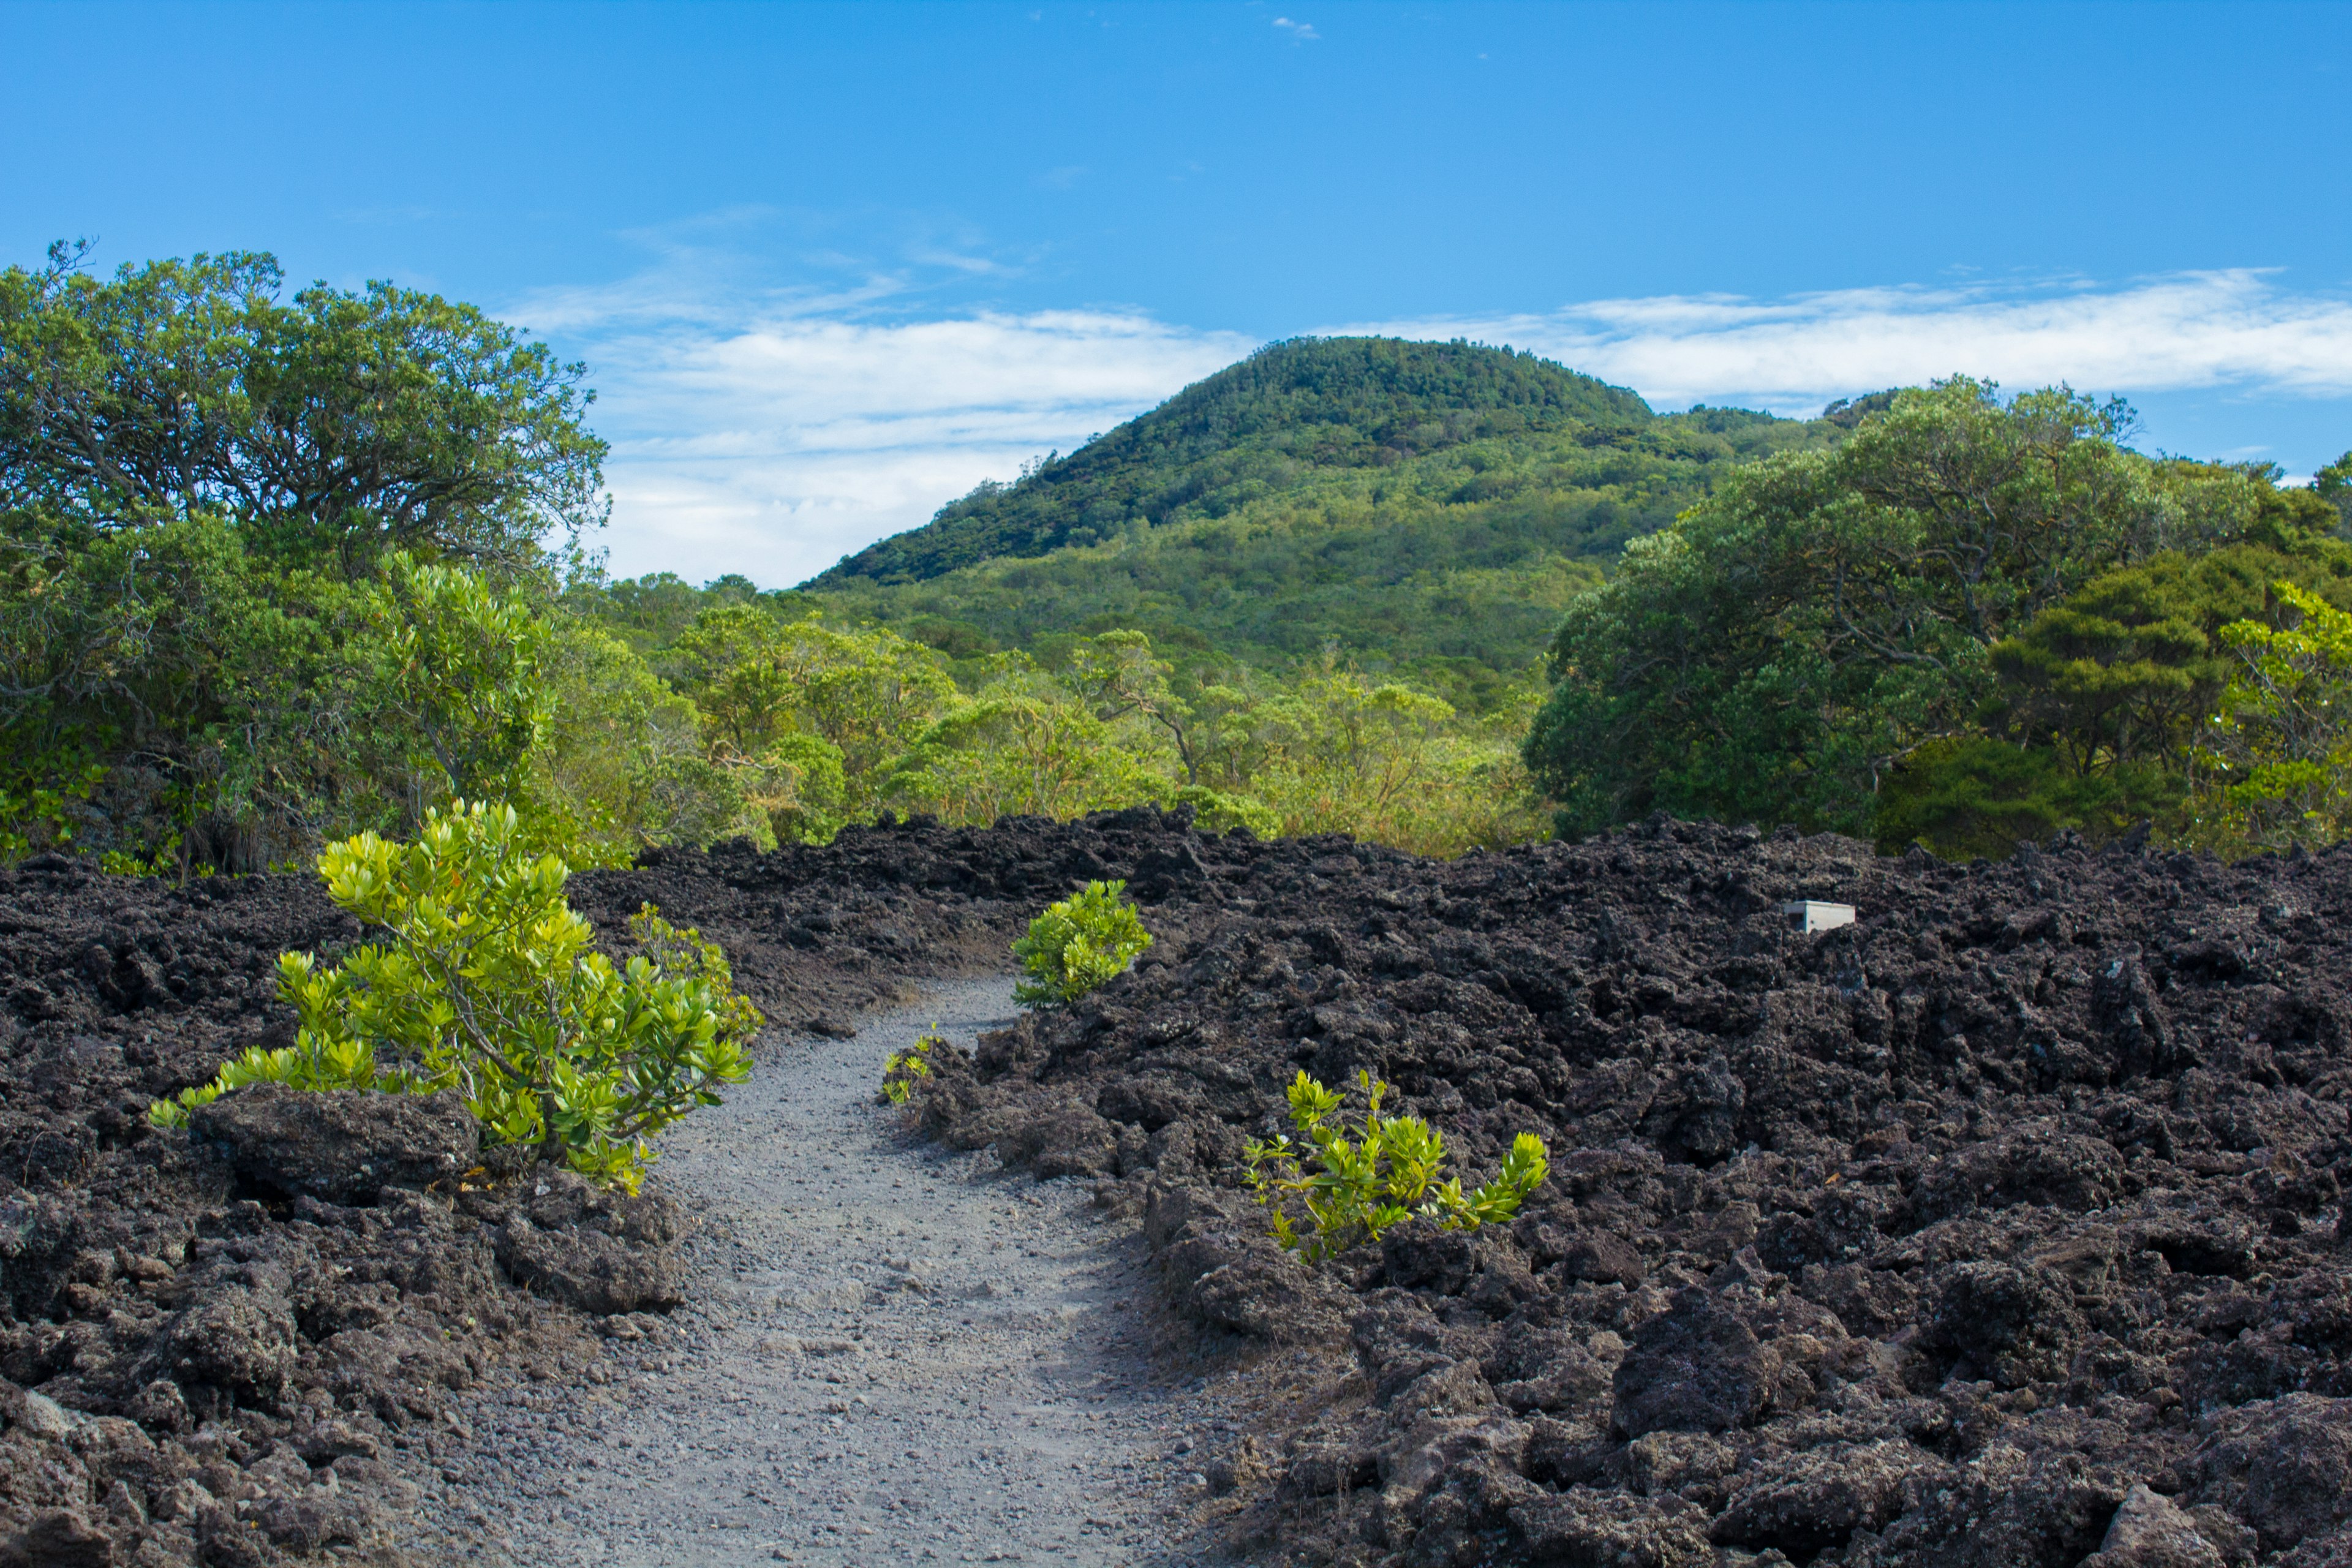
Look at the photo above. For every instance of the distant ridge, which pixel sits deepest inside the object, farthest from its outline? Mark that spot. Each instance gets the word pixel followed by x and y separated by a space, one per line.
pixel 1266 424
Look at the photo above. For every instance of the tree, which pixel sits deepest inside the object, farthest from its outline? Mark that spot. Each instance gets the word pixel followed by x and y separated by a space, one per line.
pixel 2333 484
pixel 2102 701
pixel 1782 648
pixel 339 425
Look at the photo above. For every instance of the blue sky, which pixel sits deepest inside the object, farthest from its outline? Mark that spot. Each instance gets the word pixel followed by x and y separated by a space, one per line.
pixel 832 265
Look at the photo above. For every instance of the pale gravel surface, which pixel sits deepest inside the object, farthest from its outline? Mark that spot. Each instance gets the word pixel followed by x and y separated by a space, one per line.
pixel 890 1353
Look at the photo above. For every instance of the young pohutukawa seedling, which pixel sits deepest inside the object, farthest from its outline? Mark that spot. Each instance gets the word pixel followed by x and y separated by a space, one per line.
pixel 1354 1180
pixel 910 1066
pixel 1079 943
pixel 486 981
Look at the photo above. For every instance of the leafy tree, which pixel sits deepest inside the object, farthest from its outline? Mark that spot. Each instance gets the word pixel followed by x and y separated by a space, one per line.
pixel 1026 744
pixel 2102 704
pixel 759 680
pixel 2333 484
pixel 336 423
pixel 464 675
pixel 620 765
pixel 1775 653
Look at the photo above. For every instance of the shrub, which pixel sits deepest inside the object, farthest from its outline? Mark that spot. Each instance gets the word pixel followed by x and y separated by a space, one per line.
pixel 1214 811
pixel 908 1067
pixel 488 983
pixel 1353 1188
pixel 1078 944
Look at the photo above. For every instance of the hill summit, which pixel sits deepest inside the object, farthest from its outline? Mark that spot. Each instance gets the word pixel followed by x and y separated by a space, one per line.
pixel 1263 426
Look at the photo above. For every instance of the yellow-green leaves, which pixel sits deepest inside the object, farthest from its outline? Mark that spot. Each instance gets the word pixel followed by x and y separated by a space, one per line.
pixel 906 1069
pixel 1348 1183
pixel 488 983
pixel 2277 763
pixel 1079 943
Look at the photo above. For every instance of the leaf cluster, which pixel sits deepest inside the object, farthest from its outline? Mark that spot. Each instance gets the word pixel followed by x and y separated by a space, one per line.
pixel 1342 1183
pixel 1079 944
pixel 905 1072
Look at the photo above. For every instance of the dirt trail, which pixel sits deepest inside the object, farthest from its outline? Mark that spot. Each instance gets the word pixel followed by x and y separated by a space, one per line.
pixel 890 1353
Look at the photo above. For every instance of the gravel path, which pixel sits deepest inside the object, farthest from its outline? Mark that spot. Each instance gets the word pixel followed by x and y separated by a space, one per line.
pixel 890 1353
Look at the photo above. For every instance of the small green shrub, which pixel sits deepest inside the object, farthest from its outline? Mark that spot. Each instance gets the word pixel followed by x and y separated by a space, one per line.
pixel 1078 944
pixel 1354 1187
pixel 908 1067
pixel 1214 811
pixel 488 983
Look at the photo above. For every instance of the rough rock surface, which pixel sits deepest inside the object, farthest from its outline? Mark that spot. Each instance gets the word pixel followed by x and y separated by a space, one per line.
pixel 1936 1240
pixel 1967 1234
pixel 343 1146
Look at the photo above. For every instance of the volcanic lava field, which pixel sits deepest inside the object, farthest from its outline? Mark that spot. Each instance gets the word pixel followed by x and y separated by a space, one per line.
pixel 2001 1226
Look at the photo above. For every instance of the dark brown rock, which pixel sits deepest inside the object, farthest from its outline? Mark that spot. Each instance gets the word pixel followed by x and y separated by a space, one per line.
pixel 341 1145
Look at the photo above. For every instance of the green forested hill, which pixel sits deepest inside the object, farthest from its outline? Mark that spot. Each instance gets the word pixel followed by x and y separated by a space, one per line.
pixel 1253 429
pixel 1427 508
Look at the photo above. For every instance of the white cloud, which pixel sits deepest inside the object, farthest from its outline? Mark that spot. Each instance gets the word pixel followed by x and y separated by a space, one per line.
pixel 771 431
pixel 2190 330
pixel 1300 32
pixel 776 448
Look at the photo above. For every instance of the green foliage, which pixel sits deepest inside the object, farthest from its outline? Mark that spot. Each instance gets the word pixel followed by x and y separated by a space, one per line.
pixel 332 426
pixel 1425 509
pixel 811 713
pixel 1980 796
pixel 2333 485
pixel 1079 944
pixel 2102 701
pixel 904 1070
pixel 1330 402
pixel 1217 812
pixel 1777 652
pixel 2278 755
pixel 489 982
pixel 1354 1180
pixel 36 817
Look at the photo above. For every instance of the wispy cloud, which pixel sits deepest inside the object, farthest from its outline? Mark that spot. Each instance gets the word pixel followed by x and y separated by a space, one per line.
pixel 1300 32
pixel 771 430
pixel 779 447
pixel 2197 330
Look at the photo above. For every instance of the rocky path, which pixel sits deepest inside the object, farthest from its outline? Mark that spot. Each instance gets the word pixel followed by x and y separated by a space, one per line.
pixel 890 1353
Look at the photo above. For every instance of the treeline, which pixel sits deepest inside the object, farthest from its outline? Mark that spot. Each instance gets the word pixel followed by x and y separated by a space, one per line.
pixel 1975 622
pixel 276 569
